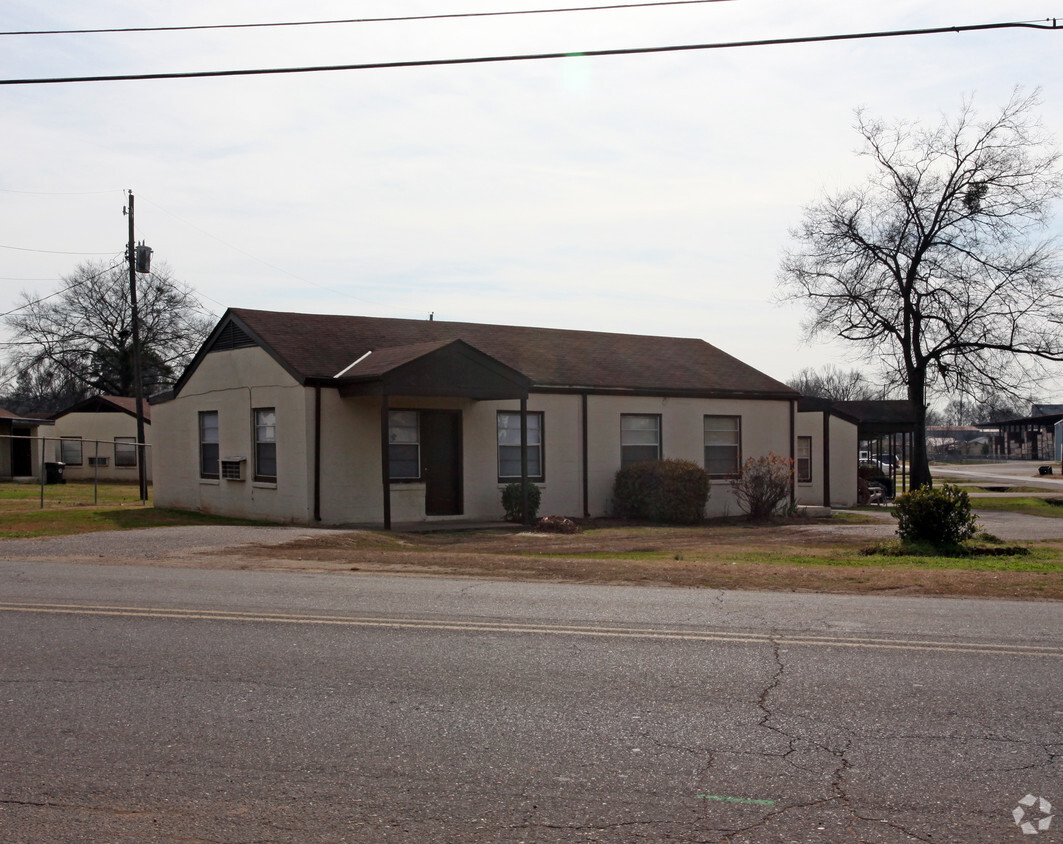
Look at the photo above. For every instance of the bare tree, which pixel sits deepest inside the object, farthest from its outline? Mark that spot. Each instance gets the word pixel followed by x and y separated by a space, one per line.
pixel 833 383
pixel 80 338
pixel 938 267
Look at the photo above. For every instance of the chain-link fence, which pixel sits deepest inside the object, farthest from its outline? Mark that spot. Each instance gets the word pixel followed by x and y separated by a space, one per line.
pixel 86 464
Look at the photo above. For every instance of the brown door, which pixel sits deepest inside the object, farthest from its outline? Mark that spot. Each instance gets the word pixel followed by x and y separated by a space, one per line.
pixel 441 462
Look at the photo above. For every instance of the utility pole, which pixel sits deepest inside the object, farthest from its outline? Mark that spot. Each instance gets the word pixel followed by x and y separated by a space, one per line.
pixel 137 381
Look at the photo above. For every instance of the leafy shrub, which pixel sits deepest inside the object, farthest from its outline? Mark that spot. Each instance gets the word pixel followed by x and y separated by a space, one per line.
pixel 764 484
pixel 941 517
pixel 511 502
pixel 670 491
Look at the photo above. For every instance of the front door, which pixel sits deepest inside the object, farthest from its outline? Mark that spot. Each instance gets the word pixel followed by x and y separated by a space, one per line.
pixel 441 462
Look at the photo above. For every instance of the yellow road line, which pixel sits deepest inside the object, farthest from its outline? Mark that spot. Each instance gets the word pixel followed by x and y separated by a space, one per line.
pixel 1006 649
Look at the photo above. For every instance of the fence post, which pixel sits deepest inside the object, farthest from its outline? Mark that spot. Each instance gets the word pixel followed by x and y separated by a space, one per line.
pixel 43 442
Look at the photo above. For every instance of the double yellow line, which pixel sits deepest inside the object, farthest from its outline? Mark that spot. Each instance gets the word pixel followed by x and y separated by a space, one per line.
pixel 183 614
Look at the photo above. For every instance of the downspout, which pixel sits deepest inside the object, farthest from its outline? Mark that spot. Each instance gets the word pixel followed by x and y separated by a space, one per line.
pixel 586 459
pixel 317 453
pixel 826 458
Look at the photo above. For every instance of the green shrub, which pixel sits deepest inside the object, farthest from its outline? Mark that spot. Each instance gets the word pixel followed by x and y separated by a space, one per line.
pixel 764 484
pixel 511 502
pixel 669 491
pixel 941 517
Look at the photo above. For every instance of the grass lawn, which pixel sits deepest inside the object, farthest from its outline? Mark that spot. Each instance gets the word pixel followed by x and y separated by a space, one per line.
pixel 800 554
pixel 796 555
pixel 1051 508
pixel 69 508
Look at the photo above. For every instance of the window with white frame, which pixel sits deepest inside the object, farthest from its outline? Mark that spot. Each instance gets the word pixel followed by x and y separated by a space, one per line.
pixel 125 451
pixel 266 444
pixel 804 460
pixel 404 445
pixel 509 445
pixel 70 451
pixel 208 444
pixel 723 446
pixel 640 437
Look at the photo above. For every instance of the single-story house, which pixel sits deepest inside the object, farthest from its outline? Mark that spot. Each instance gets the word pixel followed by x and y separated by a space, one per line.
pixel 21 447
pixel 827 443
pixel 324 419
pixel 97 439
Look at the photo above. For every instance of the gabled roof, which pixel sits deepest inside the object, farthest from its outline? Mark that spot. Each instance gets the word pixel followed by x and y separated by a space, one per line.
pixel 9 417
pixel 106 404
pixel 315 348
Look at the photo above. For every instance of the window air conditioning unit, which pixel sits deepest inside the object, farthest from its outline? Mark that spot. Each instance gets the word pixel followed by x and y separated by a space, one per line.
pixel 232 468
pixel 98 461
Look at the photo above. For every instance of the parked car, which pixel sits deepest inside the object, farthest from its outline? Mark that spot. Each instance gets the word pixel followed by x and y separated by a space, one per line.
pixel 888 460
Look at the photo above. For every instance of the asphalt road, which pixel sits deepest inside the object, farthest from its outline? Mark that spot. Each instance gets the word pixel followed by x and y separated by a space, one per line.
pixel 162 704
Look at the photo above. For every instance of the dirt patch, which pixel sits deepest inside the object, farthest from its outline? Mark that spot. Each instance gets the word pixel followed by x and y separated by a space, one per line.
pixel 726 556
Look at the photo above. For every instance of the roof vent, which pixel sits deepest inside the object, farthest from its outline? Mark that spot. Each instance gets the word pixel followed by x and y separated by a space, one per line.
pixel 232 337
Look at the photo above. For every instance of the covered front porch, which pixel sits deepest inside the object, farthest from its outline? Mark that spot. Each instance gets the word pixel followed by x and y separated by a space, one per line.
pixel 420 442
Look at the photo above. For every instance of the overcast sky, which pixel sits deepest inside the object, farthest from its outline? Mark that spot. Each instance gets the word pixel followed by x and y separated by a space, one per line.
pixel 648 194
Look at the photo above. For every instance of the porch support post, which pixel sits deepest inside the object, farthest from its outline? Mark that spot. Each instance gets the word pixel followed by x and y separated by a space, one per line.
pixel 317 453
pixel 524 460
pixel 793 453
pixel 385 468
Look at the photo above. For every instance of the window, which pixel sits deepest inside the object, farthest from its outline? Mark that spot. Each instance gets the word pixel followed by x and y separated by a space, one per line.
pixel 404 445
pixel 266 444
pixel 723 446
pixel 640 437
pixel 208 444
pixel 125 451
pixel 804 460
pixel 509 445
pixel 70 451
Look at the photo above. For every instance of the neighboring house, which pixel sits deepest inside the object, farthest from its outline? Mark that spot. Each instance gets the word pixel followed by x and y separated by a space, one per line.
pixel 354 420
pixel 20 446
pixel 827 443
pixel 97 439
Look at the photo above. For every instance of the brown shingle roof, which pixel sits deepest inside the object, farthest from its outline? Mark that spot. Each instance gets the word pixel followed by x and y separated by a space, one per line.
pixel 316 346
pixel 106 404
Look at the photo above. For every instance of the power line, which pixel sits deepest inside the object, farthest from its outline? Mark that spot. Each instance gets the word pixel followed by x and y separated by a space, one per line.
pixel 1049 24
pixel 59 193
pixel 52 251
pixel 452 15
pixel 77 283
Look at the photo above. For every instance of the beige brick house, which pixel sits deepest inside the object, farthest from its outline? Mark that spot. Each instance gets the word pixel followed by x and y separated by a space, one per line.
pixel 321 419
